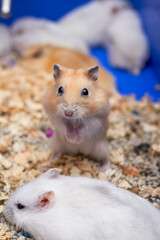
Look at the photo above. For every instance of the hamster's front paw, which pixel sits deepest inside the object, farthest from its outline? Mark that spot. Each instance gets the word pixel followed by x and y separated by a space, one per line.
pixel 105 166
pixel 45 167
pixel 48 164
pixel 101 153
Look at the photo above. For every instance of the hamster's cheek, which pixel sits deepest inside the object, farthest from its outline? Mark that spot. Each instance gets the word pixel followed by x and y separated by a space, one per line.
pixel 21 219
pixel 13 218
pixel 97 105
pixel 60 109
pixel 92 109
pixel 90 106
pixel 51 102
pixel 9 214
pixel 85 107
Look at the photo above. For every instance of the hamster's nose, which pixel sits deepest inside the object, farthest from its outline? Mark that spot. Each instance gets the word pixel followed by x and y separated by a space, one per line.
pixel 68 113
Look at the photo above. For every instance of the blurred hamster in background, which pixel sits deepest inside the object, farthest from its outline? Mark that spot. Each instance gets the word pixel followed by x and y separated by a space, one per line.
pixel 114 25
pixel 62 207
pixel 32 31
pixel 127 45
pixel 44 56
pixel 5 40
pixel 78 107
pixel 91 21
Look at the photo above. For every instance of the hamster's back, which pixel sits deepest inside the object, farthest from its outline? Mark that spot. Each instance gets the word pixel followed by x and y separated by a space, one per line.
pixel 108 211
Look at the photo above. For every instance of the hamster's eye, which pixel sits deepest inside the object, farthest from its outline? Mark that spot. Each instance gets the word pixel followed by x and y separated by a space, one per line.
pixel 84 92
pixel 38 54
pixel 20 206
pixel 60 90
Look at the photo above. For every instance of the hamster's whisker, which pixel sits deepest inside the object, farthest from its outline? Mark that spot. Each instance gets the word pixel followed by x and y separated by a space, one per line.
pixel 8 215
pixel 99 125
pixel 18 227
pixel 55 116
pixel 79 120
pixel 88 130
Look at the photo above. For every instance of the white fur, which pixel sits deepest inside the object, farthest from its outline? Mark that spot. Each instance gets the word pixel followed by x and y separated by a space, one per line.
pixel 5 40
pixel 127 44
pixel 83 209
pixel 91 21
pixel 31 31
pixel 120 33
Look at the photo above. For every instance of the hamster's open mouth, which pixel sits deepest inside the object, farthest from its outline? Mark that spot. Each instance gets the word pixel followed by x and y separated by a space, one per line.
pixel 74 131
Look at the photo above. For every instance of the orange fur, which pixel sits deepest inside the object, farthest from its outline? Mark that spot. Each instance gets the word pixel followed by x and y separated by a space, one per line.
pixel 44 56
pixel 85 130
pixel 73 81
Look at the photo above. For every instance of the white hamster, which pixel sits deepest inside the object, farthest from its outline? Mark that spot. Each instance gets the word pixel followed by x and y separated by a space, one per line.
pixel 91 21
pixel 30 31
pixel 127 44
pixel 67 208
pixel 115 25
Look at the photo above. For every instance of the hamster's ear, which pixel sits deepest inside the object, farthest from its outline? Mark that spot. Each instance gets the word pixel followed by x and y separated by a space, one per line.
pixel 46 200
pixel 52 173
pixel 92 73
pixel 57 71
